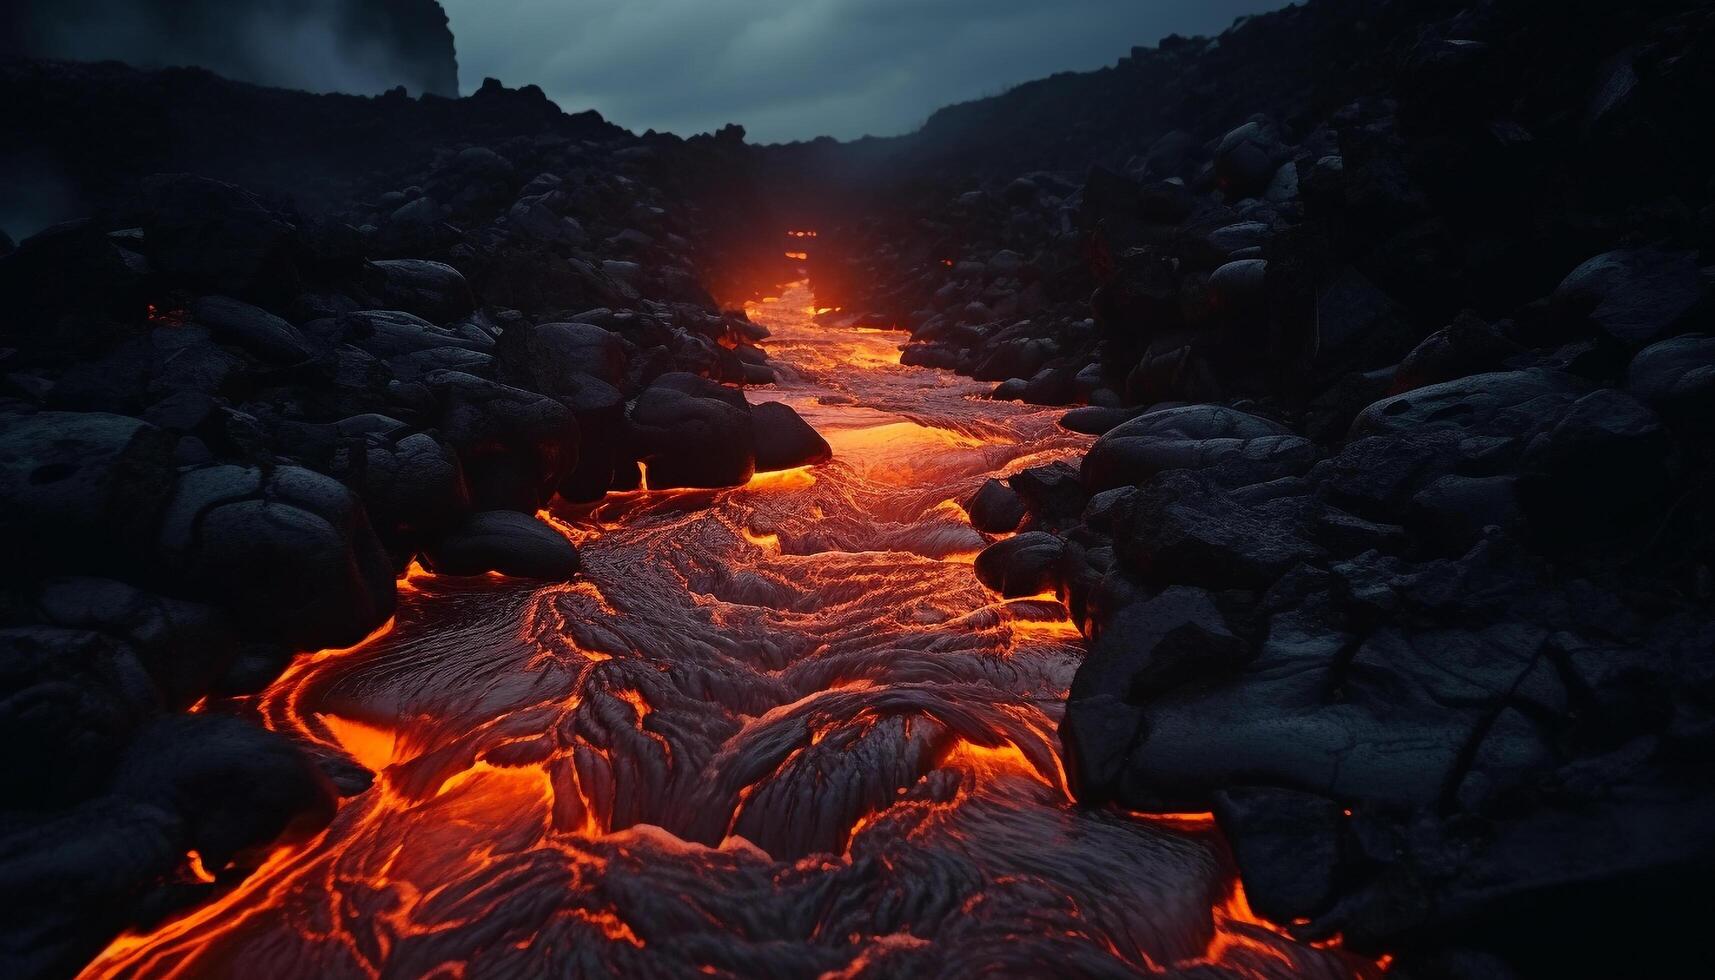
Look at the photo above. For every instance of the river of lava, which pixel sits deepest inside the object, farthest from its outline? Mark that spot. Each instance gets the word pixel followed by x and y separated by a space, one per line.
pixel 778 730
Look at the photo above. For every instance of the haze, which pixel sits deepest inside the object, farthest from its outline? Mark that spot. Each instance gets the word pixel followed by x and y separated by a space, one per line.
pixel 796 69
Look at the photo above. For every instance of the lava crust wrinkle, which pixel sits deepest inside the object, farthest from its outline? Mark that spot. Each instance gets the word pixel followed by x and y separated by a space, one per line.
pixel 777 730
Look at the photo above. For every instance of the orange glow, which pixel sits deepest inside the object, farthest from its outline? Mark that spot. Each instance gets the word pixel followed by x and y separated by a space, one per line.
pixel 800 256
pixel 802 234
pixel 755 721
pixel 371 746
pixel 797 478
pixel 167 316
pixel 193 864
pixel 767 542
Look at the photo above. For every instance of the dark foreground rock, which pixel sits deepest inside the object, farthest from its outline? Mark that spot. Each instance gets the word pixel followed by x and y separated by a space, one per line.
pixel 784 440
pixel 507 542
pixel 1396 548
pixel 228 423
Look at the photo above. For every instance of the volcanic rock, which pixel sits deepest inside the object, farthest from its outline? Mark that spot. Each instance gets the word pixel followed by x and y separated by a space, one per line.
pixel 507 542
pixel 784 440
pixel 290 552
pixel 692 432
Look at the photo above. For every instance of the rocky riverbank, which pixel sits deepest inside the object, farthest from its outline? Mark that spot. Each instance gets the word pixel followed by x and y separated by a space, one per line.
pixel 230 420
pixel 1395 549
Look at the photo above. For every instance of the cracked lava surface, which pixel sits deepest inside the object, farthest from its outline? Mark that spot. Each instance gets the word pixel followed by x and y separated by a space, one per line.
pixel 777 730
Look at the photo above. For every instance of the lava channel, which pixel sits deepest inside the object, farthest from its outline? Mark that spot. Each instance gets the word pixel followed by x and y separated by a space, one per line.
pixel 777 730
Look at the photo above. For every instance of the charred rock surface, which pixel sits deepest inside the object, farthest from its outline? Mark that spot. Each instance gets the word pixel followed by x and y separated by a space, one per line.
pixel 232 416
pixel 1395 548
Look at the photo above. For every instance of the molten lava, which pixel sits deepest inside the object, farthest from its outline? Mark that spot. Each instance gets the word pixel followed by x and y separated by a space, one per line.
pixel 778 730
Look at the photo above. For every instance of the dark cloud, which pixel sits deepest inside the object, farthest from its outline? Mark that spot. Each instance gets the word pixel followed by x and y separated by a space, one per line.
pixel 791 69
pixel 362 46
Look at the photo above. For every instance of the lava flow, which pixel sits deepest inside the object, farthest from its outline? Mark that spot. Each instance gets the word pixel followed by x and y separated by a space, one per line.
pixel 778 730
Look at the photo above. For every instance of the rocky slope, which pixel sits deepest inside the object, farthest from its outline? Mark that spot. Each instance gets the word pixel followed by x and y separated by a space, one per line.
pixel 231 417
pixel 1395 550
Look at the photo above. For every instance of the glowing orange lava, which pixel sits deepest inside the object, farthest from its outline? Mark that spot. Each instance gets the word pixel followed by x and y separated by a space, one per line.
pixel 777 730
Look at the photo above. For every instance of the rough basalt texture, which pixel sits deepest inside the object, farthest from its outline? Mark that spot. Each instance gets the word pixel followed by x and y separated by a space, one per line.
pixel 1396 548
pixel 233 415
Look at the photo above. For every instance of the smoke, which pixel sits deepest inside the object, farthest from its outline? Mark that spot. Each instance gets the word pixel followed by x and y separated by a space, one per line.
pixel 358 46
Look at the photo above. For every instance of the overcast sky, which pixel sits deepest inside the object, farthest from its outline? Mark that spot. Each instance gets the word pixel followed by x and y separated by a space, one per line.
pixel 795 69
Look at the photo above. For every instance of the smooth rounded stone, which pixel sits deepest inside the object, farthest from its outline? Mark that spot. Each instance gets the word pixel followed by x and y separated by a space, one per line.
pixel 692 432
pixel 234 785
pixel 388 333
pixel 1287 846
pixel 1005 262
pixel 1010 390
pixel 943 357
pixel 784 440
pixel 507 542
pixel 1096 420
pixel 69 700
pixel 1466 346
pixel 1239 236
pixel 627 272
pixel 417 216
pixel 995 508
pixel 184 646
pixel 515 445
pixel 758 374
pixel 1050 386
pixel 599 410
pixel 1283 186
pixel 216 237
pixel 1510 403
pixel 434 291
pixel 1052 492
pixel 81 491
pixel 1240 286
pixel 252 328
pixel 416 364
pixel 543 356
pixel 1240 448
pixel 291 555
pixel 1633 295
pixel 72 880
pixel 183 411
pixel 1244 161
pixel 412 487
pixel 1019 358
pixel 1022 565
pixel 1677 378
